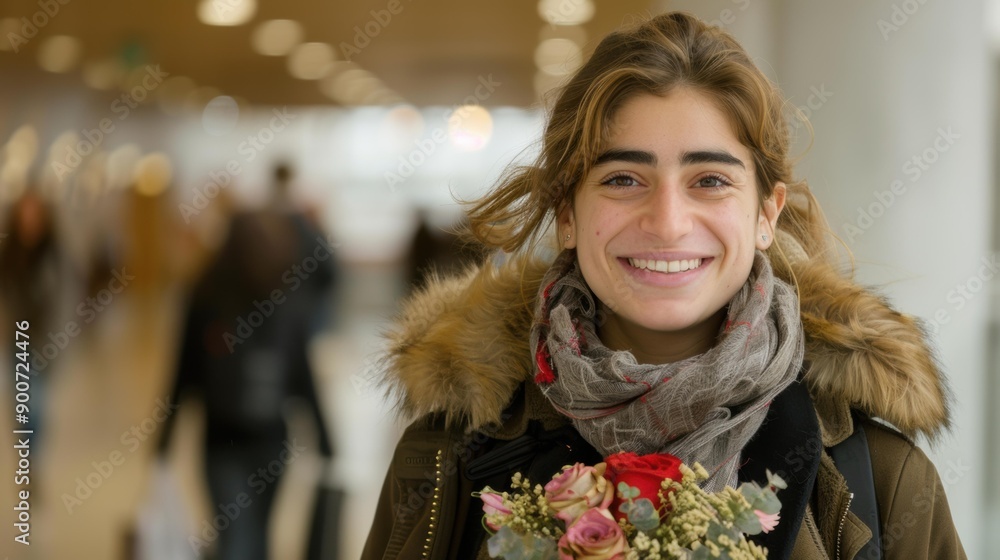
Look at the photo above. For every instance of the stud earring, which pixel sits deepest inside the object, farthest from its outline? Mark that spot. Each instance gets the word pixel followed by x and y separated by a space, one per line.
pixel 567 237
pixel 764 237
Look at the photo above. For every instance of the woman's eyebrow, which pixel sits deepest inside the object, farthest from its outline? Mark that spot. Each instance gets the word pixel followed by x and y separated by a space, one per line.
pixel 631 156
pixel 643 157
pixel 711 156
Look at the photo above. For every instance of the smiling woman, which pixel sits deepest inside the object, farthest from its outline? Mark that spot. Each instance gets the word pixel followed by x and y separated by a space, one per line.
pixel 694 309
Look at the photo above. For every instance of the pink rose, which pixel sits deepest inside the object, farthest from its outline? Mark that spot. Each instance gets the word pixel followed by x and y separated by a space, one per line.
pixel 493 507
pixel 577 489
pixel 594 536
pixel 768 521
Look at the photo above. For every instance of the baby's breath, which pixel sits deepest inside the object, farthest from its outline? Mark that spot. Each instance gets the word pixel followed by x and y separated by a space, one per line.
pixel 690 513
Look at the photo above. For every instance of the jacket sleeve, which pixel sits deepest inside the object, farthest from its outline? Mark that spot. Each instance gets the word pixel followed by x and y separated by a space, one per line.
pixel 415 512
pixel 188 374
pixel 916 519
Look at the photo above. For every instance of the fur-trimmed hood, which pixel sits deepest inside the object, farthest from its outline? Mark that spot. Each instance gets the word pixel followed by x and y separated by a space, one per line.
pixel 460 346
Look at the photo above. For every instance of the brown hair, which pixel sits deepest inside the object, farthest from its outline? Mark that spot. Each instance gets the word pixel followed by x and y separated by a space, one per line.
pixel 665 52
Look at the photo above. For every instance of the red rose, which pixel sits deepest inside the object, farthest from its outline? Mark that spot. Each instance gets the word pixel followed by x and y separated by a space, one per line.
pixel 645 473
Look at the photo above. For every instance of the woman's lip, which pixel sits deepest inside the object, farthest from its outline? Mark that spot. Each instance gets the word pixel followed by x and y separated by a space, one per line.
pixel 664 279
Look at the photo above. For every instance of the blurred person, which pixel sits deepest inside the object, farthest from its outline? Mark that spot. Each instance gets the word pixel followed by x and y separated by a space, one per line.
pixel 244 352
pixel 36 280
pixel 150 241
pixel 311 236
pixel 694 309
pixel 436 250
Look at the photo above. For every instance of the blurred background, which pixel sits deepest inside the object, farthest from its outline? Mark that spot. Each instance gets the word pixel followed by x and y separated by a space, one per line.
pixel 159 155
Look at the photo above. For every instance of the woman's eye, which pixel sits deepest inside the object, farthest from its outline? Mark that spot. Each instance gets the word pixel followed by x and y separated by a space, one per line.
pixel 620 181
pixel 713 181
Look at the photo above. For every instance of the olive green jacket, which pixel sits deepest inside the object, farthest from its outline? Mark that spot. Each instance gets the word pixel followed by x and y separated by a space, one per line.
pixel 459 362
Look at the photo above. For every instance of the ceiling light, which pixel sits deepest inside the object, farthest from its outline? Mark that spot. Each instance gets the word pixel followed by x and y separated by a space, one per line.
pixel 59 53
pixel 470 127
pixel 558 57
pixel 153 174
pixel 226 12
pixel 220 115
pixel 566 12
pixel 350 86
pixel 310 61
pixel 277 37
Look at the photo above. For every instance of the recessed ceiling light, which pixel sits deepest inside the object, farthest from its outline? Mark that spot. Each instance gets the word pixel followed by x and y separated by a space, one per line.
pixel 558 56
pixel 277 37
pixel 226 12
pixel 59 53
pixel 310 61
pixel 350 86
pixel 566 12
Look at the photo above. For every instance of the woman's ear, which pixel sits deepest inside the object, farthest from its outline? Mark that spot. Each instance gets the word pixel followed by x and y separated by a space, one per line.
pixel 566 226
pixel 767 219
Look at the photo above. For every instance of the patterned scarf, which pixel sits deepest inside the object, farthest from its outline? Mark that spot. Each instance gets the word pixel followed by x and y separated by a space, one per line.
pixel 704 408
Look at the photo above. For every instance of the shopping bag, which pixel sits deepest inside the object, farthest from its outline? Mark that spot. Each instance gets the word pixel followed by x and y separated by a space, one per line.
pixel 324 533
pixel 162 526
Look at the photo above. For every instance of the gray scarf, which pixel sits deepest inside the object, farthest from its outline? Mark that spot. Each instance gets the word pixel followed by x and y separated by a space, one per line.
pixel 704 408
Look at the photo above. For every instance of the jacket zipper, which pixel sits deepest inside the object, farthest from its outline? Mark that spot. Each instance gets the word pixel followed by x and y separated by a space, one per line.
pixel 843 518
pixel 435 505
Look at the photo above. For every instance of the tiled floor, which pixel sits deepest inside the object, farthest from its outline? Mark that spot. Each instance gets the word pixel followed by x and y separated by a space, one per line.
pixel 109 381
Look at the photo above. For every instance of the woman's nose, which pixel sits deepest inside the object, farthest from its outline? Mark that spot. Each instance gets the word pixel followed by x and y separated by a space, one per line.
pixel 668 214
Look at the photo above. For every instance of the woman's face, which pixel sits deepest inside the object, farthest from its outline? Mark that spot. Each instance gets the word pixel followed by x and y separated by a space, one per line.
pixel 666 223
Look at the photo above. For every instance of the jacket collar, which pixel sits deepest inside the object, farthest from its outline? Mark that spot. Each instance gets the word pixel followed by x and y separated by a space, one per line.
pixel 460 347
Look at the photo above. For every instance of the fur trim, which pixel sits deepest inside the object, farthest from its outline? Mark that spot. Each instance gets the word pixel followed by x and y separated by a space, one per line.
pixel 865 353
pixel 460 346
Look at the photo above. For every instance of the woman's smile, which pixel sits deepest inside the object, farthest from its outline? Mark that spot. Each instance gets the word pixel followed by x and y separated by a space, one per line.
pixel 664 272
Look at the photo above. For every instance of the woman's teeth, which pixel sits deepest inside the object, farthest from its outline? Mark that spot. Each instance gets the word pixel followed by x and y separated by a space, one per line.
pixel 665 266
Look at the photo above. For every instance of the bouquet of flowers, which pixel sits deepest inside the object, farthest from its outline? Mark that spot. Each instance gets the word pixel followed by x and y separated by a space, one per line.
pixel 629 508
